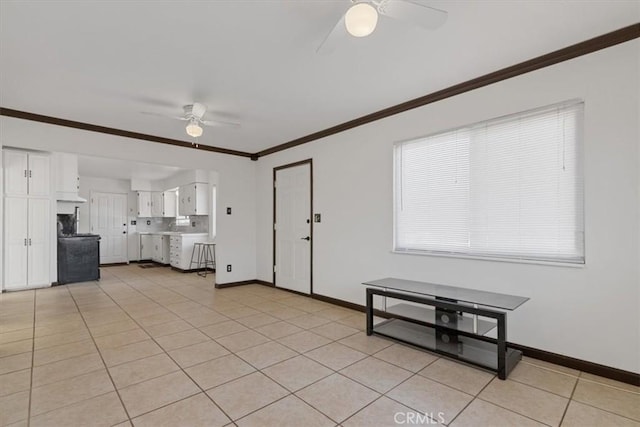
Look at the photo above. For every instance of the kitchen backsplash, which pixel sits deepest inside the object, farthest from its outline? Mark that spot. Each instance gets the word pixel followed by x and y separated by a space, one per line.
pixel 198 224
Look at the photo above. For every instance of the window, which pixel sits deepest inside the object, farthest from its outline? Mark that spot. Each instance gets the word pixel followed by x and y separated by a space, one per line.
pixel 511 187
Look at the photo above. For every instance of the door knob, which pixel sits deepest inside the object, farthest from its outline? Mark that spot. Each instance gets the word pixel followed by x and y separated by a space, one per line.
pixel 305 238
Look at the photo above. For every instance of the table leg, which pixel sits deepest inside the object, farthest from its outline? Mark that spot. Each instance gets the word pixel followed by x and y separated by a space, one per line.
pixel 369 312
pixel 502 346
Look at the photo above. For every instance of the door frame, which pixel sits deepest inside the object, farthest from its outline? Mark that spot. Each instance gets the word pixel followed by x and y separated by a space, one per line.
pixel 273 222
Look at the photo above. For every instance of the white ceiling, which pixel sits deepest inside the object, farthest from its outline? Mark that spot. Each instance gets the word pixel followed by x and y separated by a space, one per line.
pixel 254 61
pixel 118 169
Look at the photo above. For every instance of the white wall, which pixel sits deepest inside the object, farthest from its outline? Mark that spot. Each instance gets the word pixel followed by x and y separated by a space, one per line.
pixel 590 313
pixel 236 234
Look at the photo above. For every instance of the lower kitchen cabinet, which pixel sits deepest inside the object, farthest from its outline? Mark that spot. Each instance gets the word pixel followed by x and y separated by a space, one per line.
pixel 26 242
pixel 181 248
pixel 160 245
pixel 146 247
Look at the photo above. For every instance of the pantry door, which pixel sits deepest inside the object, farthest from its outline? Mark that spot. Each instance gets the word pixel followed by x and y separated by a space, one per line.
pixel 108 218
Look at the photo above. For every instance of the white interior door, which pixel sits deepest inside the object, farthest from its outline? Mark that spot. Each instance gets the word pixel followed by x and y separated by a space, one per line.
pixel 108 213
pixel 293 228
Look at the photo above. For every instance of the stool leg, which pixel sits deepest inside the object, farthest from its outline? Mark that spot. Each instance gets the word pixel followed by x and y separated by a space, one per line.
pixel 193 251
pixel 200 261
pixel 206 259
pixel 209 256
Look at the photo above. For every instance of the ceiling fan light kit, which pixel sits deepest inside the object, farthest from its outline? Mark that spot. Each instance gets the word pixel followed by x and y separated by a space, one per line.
pixel 193 129
pixel 194 116
pixel 361 19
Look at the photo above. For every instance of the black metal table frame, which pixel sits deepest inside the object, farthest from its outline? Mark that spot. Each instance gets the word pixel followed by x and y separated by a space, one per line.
pixel 501 319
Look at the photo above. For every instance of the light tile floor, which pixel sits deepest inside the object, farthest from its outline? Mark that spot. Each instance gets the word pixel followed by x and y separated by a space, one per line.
pixel 154 347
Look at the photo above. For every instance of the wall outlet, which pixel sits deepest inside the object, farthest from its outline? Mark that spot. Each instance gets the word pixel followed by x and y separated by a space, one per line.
pixel 228 211
pixel 229 268
pixel 193 223
pixel 316 218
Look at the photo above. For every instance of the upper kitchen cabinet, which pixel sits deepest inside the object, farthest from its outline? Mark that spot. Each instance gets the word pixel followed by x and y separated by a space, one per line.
pixel 169 204
pixel 157 204
pixel 163 204
pixel 26 173
pixel 67 179
pixel 194 199
pixel 144 204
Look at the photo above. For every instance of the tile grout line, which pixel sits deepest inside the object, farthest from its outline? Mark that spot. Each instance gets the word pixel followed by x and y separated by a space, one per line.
pixel 542 389
pixel 209 307
pixel 181 369
pixel 100 354
pixel 566 408
pixel 592 406
pixel 475 397
pixel 249 328
pixel 515 412
pixel 331 341
pixel 607 385
pixel 256 369
pixel 409 378
pixel 549 369
pixel 33 355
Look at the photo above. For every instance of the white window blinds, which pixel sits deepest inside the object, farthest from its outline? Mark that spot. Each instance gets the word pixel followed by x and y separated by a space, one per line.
pixel 508 188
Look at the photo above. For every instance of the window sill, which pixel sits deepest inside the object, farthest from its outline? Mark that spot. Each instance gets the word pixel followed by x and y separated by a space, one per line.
pixel 494 259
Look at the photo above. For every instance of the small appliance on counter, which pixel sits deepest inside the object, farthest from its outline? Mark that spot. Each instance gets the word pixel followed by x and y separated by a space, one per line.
pixel 78 254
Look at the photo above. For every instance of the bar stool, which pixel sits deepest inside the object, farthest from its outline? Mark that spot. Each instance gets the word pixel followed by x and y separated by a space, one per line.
pixel 205 258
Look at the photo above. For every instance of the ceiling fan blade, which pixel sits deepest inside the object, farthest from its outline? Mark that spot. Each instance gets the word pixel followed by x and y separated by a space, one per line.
pixel 332 39
pixel 219 123
pixel 198 109
pixel 166 116
pixel 415 13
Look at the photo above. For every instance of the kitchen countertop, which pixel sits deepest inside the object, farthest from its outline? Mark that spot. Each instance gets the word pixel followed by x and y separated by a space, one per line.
pixel 173 233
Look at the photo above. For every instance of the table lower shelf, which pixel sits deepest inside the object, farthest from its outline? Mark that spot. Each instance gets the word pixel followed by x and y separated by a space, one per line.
pixel 467 349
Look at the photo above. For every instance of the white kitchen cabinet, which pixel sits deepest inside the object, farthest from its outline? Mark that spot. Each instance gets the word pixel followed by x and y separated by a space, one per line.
pixel 169 201
pixel 194 199
pixel 181 248
pixel 144 204
pixel 157 204
pixel 160 248
pixel 146 247
pixel 26 173
pixel 27 242
pixel 67 179
pixel 163 204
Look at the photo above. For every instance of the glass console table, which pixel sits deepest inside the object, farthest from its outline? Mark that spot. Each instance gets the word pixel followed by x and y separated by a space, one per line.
pixel 446 329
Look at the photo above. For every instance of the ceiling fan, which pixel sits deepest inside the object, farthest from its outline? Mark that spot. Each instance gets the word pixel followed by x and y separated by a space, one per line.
pixel 361 19
pixel 194 115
